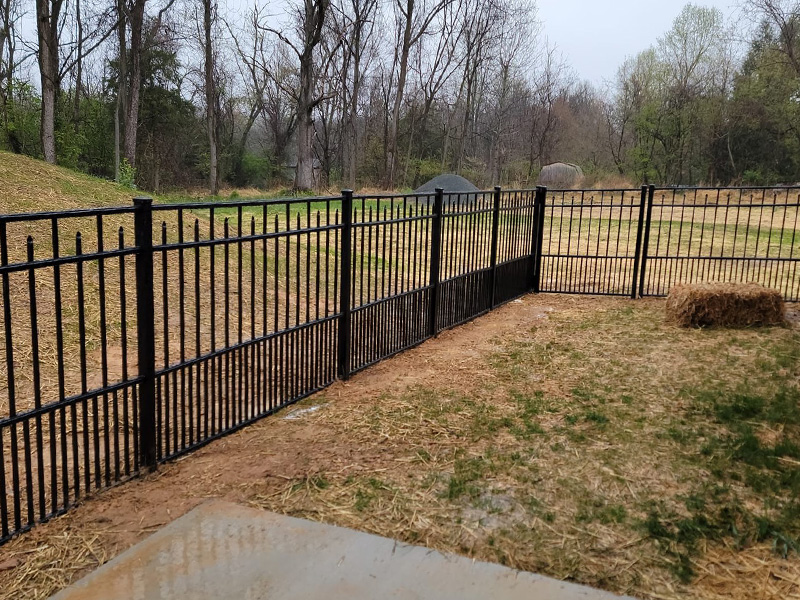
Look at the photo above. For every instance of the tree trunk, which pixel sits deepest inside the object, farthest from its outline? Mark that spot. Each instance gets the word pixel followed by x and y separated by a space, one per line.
pixel 312 32
pixel 47 16
pixel 6 60
pixel 211 101
pixel 352 121
pixel 122 76
pixel 134 81
pixel 304 177
pixel 76 107
pixel 391 150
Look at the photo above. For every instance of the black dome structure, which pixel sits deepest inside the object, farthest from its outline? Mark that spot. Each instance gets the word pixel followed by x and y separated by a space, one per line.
pixel 456 188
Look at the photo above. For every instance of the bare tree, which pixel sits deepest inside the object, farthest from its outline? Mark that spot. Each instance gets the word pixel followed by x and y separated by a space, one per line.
pixel 783 16
pixel 436 63
pixel 270 81
pixel 131 16
pixel 8 40
pixel 548 86
pixel 412 22
pixel 48 13
pixel 632 87
pixel 310 21
pixel 514 56
pixel 56 60
pixel 209 17
pixel 481 25
pixel 353 22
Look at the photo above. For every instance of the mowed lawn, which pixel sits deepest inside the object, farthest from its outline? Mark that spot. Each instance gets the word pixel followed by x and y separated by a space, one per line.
pixel 579 437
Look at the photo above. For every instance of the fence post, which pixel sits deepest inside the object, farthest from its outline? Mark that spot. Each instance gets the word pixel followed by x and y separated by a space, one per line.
pixel 436 247
pixel 145 329
pixel 344 284
pixel 538 237
pixel 646 238
pixel 638 251
pixel 495 225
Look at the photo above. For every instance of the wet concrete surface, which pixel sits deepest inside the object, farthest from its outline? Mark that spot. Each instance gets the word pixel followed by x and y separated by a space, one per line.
pixel 226 551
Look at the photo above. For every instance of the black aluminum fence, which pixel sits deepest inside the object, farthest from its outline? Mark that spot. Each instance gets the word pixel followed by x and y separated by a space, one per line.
pixel 730 235
pixel 133 335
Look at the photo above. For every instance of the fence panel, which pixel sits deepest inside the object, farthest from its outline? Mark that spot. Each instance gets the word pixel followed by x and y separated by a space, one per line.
pixel 590 241
pixel 246 297
pixel 466 263
pixel 516 253
pixel 724 235
pixel 390 288
pixel 68 415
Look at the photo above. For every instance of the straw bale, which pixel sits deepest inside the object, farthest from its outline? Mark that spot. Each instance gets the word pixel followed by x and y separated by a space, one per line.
pixel 732 305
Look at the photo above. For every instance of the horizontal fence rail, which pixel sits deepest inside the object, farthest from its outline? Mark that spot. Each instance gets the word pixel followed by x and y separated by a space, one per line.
pixel 133 335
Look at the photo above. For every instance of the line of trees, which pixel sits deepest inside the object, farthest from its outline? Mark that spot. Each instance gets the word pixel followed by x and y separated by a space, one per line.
pixel 180 93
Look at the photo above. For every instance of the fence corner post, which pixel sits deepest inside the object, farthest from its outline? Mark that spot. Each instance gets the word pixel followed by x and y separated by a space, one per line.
pixel 538 237
pixel 648 216
pixel 345 307
pixel 435 266
pixel 495 226
pixel 145 330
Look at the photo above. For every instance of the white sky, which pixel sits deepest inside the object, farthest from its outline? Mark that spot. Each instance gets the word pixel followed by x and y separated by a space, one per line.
pixel 595 37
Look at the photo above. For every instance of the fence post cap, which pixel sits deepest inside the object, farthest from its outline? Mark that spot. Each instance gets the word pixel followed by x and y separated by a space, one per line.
pixel 497 188
pixel 142 200
pixel 347 192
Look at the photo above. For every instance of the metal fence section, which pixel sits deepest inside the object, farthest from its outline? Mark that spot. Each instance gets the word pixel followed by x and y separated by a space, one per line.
pixel 245 312
pixel 591 241
pixel 133 335
pixel 722 235
pixel 390 276
pixel 68 412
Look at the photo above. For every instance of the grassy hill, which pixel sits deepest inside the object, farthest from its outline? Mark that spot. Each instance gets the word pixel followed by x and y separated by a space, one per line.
pixel 27 184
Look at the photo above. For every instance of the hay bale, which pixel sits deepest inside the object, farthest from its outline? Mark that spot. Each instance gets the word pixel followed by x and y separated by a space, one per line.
pixel 725 305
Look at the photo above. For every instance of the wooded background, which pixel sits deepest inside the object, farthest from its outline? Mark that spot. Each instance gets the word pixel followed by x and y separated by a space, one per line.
pixel 168 94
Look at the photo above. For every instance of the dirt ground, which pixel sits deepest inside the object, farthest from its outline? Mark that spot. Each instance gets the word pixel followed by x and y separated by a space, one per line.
pixel 353 461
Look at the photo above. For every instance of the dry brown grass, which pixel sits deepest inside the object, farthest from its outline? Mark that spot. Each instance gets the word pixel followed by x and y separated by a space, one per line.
pixel 571 436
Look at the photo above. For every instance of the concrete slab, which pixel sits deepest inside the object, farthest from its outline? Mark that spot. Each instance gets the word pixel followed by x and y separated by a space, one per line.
pixel 226 551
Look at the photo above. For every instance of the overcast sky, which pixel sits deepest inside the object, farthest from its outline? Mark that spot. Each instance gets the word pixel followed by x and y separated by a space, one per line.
pixel 595 37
